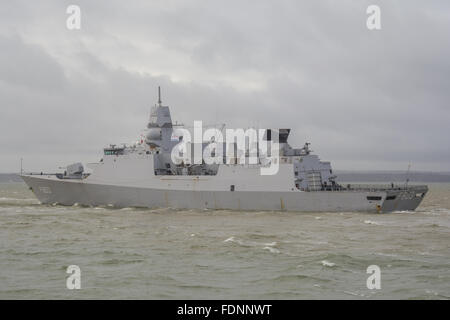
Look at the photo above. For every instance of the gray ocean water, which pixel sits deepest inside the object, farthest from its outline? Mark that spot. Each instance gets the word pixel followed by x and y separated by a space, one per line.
pixel 177 254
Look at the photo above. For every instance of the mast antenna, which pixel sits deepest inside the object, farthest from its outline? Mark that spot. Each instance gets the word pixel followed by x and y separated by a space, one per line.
pixel 407 175
pixel 159 96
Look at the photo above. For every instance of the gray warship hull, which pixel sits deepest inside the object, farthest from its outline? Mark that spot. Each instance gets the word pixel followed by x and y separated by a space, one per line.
pixel 50 190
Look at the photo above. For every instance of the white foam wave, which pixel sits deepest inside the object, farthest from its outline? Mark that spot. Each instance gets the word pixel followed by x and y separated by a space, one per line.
pixel 232 239
pixel 7 199
pixel 354 293
pixel 372 222
pixel 326 263
pixel 266 246
pixel 272 250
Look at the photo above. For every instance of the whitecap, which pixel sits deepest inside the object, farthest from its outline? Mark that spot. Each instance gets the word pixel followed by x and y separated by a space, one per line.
pixel 433 292
pixel 240 242
pixel 354 294
pixel 16 199
pixel 230 239
pixel 126 209
pixel 272 250
pixel 328 263
pixel 386 254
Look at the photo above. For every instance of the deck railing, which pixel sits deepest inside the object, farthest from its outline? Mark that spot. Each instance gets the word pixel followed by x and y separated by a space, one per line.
pixel 376 187
pixel 373 187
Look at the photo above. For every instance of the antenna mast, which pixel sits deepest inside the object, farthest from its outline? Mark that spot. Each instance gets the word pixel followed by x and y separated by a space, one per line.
pixel 407 175
pixel 159 96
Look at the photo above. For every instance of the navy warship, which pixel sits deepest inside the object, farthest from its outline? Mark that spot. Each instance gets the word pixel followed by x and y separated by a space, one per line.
pixel 146 174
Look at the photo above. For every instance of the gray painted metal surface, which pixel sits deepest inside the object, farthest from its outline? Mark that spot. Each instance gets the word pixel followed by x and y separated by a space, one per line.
pixel 71 192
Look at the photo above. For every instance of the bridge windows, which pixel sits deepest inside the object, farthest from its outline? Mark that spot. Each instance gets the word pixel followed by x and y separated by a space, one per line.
pixel 113 151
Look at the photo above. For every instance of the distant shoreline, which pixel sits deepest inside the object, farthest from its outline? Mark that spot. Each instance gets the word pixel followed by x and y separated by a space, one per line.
pixel 343 176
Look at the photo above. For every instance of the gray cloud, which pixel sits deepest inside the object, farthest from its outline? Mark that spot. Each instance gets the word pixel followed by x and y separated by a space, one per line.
pixel 365 99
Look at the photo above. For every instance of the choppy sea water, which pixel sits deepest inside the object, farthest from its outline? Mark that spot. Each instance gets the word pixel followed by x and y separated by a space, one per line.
pixel 203 254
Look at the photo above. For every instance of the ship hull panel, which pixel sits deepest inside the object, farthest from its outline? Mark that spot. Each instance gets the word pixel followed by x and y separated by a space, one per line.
pixel 66 192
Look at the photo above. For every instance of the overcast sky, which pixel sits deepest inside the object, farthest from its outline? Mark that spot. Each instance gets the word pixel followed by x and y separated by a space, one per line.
pixel 366 100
